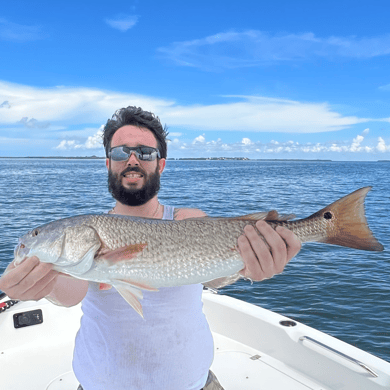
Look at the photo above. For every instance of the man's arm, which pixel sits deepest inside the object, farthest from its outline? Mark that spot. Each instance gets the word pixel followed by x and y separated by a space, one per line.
pixel 33 280
pixel 263 259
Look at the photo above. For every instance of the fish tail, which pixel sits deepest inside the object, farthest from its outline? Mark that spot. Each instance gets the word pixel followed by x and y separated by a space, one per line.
pixel 347 224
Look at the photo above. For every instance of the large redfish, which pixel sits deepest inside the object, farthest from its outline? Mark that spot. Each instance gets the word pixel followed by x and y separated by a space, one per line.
pixel 134 254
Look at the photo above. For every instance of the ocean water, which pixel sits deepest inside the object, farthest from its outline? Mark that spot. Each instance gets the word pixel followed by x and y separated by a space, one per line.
pixel 340 291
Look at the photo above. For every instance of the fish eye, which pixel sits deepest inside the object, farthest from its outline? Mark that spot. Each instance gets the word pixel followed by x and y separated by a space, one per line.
pixel 35 232
pixel 328 215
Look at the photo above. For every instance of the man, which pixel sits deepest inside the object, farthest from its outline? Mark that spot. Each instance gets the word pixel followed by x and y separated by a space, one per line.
pixel 172 348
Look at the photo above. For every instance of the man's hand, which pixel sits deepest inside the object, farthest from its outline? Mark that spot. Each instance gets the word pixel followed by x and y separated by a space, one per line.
pixel 264 260
pixel 30 280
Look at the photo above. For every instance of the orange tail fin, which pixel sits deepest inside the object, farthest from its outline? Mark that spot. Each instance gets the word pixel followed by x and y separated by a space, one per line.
pixel 349 225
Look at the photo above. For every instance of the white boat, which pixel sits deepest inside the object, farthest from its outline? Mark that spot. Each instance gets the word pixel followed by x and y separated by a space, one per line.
pixel 254 349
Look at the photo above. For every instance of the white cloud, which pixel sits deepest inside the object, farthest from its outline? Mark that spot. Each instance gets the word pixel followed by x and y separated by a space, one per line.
pixel 95 141
pixel 199 140
pixel 381 146
pixel 253 48
pixel 260 114
pixel 355 147
pixel 69 105
pixel 65 145
pixel 92 142
pixel 17 32
pixel 63 107
pixel 256 149
pixel 123 22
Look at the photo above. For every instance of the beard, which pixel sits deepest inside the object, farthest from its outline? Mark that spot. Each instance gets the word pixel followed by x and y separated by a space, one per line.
pixel 133 197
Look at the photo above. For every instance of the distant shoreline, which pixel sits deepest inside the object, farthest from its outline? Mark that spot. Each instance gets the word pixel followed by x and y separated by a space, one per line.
pixel 193 159
pixel 174 159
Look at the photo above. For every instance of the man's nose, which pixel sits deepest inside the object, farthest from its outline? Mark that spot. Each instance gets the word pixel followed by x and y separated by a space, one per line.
pixel 132 159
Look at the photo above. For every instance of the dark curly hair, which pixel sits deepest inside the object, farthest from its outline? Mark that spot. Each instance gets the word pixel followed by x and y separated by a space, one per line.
pixel 136 116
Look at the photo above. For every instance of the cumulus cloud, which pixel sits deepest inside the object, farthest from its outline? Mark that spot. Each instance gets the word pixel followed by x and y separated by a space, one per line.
pixel 123 22
pixel 201 146
pixel 17 32
pixel 65 145
pixel 199 140
pixel 93 142
pixel 381 146
pixel 246 141
pixel 254 48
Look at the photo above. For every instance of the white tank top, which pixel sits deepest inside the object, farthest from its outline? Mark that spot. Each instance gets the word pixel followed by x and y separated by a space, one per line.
pixel 172 348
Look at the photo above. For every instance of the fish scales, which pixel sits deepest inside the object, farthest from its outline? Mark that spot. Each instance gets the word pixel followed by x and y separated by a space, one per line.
pixel 182 249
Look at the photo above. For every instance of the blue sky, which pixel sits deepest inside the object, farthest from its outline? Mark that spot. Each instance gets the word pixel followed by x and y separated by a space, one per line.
pixel 253 79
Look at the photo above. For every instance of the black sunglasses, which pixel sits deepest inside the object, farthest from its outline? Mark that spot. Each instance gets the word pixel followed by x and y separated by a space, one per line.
pixel 144 153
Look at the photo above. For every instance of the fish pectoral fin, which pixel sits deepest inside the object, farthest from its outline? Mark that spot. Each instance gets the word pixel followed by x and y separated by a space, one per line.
pixel 121 254
pixel 131 292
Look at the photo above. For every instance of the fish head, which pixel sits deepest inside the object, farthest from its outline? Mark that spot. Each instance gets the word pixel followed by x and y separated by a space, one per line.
pixel 66 243
pixel 44 242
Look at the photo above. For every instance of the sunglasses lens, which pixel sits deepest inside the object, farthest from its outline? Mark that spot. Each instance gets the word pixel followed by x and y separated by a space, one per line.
pixel 147 154
pixel 118 154
pixel 144 153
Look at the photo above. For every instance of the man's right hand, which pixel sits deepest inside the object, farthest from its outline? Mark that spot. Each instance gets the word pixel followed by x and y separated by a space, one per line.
pixel 30 280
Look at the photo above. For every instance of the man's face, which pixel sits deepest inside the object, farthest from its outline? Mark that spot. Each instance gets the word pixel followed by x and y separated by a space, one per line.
pixel 134 182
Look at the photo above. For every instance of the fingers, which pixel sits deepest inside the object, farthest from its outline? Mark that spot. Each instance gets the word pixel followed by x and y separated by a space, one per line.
pixel 293 243
pixel 31 280
pixel 266 255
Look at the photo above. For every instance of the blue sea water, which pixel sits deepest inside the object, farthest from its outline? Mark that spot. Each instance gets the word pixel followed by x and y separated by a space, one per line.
pixel 340 291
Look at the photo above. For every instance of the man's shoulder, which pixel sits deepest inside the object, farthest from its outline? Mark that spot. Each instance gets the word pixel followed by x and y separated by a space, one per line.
pixel 188 213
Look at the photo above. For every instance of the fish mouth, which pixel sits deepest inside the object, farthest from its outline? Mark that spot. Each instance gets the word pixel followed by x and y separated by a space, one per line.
pixel 20 253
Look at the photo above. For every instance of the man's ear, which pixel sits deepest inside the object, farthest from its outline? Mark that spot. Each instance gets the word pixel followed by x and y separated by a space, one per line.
pixel 161 165
pixel 108 163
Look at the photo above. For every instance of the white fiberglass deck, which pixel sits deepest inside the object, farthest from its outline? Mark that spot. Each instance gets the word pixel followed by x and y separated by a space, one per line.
pixel 252 351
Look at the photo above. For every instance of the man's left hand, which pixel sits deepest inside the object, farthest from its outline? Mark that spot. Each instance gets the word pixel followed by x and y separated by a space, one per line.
pixel 265 258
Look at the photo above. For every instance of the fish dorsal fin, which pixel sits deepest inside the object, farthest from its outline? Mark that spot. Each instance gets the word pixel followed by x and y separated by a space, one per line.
pixel 272 215
pixel 257 216
pixel 282 217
